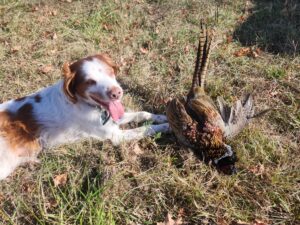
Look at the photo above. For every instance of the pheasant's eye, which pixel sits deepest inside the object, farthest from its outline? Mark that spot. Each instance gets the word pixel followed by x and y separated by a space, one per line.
pixel 90 82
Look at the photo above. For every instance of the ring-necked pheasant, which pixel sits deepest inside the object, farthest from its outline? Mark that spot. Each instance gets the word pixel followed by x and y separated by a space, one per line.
pixel 199 124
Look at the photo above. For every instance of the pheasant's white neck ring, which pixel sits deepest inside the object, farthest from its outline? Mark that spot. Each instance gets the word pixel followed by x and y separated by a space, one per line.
pixel 227 154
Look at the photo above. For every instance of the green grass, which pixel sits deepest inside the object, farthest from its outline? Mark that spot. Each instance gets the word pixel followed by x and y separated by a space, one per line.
pixel 140 182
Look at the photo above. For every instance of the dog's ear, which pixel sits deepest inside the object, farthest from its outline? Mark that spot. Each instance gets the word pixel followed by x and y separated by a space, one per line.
pixel 69 82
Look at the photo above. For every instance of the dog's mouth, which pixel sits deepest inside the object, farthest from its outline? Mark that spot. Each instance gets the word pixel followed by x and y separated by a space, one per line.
pixel 115 108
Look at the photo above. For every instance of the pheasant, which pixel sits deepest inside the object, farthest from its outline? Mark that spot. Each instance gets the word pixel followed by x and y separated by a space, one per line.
pixel 199 124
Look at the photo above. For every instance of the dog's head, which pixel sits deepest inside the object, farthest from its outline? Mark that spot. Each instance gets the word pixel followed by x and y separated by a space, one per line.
pixel 92 80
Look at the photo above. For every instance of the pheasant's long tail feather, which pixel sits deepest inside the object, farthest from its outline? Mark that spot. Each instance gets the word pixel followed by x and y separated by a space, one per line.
pixel 206 38
pixel 203 52
pixel 200 52
pixel 237 116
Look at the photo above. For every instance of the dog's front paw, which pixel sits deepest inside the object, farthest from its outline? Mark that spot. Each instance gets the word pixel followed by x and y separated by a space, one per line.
pixel 163 128
pixel 159 118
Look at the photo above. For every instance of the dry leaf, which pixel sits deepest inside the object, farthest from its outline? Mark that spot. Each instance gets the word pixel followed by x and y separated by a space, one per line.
pixel 239 222
pixel 54 36
pixel 46 69
pixel 27 187
pixel 137 150
pixel 53 51
pixel 16 48
pixel 35 8
pixel 1 197
pixel 258 169
pixel 241 19
pixel 242 52
pixel 51 203
pixel 222 221
pixel 248 51
pixel 229 39
pixel 170 221
pixel 60 180
pixel 186 49
pixel 274 93
pixel 144 50
pixel 53 13
pixel 260 222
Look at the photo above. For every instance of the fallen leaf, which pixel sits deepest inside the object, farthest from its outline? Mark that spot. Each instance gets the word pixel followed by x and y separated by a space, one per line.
pixel 170 221
pixel 222 221
pixel 260 222
pixel 107 27
pixel 248 51
pixel 46 69
pixel 27 187
pixel 229 39
pixel 60 180
pixel 1 197
pixel 258 169
pixel 51 203
pixel 241 19
pixel 242 52
pixel 254 54
pixel 16 48
pixel 35 8
pixel 144 50
pixel 137 150
pixel 239 222
pixel 274 93
pixel 53 51
pixel 186 49
pixel 258 51
pixel 54 36
pixel 53 13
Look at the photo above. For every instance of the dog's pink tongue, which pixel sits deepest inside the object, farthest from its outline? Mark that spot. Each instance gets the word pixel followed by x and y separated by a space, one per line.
pixel 116 110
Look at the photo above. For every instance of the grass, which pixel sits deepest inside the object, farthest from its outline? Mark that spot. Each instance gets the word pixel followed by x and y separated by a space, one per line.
pixel 140 182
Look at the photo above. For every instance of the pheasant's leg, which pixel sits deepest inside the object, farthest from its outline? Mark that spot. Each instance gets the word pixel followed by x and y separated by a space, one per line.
pixel 142 116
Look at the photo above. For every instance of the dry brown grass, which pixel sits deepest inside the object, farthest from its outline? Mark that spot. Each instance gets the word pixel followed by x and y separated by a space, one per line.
pixel 138 183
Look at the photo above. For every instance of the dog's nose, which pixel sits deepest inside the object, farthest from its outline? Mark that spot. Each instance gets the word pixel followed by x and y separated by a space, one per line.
pixel 115 93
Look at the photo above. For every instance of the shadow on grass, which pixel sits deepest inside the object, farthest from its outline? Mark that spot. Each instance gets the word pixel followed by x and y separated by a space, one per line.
pixel 273 25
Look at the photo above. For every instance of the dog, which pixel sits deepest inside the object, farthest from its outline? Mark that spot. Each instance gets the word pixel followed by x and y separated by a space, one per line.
pixel 85 103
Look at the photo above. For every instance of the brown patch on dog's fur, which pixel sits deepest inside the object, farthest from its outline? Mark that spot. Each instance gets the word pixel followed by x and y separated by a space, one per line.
pixel 106 59
pixel 68 87
pixel 74 79
pixel 20 99
pixel 20 130
pixel 37 98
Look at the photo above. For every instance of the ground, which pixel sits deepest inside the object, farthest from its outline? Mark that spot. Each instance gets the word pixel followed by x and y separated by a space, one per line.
pixel 154 43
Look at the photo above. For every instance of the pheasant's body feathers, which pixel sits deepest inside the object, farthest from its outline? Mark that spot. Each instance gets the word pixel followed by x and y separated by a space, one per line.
pixel 199 124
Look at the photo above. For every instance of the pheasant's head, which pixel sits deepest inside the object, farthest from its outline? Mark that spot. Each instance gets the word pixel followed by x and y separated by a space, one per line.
pixel 226 163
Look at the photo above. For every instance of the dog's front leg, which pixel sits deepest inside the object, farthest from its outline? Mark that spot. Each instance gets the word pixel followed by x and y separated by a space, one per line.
pixel 139 133
pixel 141 117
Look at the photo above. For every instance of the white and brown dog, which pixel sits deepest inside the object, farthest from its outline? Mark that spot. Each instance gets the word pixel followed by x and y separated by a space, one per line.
pixel 86 103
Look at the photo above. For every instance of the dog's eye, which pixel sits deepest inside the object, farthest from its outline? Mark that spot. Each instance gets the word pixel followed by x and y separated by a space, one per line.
pixel 90 82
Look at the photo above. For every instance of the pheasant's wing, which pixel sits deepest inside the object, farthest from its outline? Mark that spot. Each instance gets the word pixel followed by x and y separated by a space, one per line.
pixel 178 118
pixel 204 110
pixel 237 116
